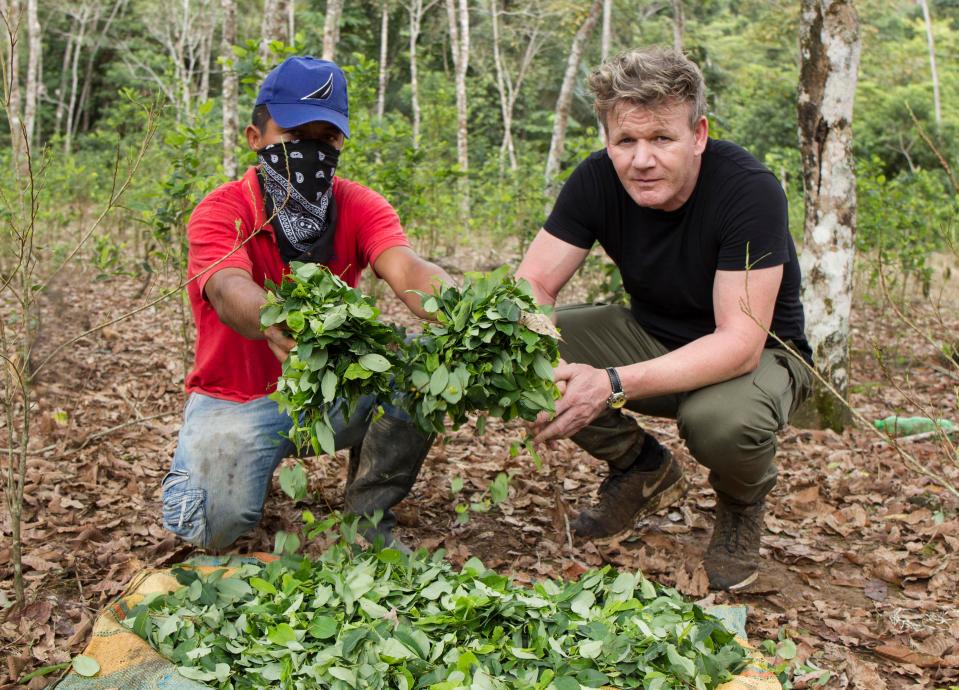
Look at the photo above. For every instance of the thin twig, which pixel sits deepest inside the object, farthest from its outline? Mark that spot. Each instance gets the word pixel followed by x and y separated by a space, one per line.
pixel 99 434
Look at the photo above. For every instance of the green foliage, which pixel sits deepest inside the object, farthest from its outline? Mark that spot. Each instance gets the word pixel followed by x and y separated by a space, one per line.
pixel 904 218
pixel 342 351
pixel 491 350
pixel 380 619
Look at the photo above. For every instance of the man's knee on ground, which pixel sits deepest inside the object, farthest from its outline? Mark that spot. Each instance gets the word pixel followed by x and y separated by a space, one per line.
pixel 189 514
pixel 718 434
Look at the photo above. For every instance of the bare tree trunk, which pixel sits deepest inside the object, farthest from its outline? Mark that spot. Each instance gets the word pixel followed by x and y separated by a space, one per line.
pixel 416 10
pixel 205 51
pixel 11 14
pixel 62 90
pixel 679 24
pixel 504 97
pixel 81 19
pixel 384 44
pixel 34 79
pixel 271 28
pixel 607 29
pixel 830 47
pixel 458 11
pixel 561 118
pixel 291 21
pixel 230 88
pixel 331 28
pixel 937 104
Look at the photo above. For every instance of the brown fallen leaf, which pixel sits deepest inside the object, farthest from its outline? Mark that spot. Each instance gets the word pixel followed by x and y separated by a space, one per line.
pixel 863 674
pixel 904 655
pixel 876 590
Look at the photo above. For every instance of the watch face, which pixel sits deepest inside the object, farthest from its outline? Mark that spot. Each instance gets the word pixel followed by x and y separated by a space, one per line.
pixel 616 400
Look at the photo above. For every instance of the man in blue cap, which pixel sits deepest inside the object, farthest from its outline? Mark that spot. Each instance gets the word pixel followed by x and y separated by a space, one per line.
pixel 290 207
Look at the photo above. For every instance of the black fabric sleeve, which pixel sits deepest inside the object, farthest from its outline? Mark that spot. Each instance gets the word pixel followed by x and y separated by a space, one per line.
pixel 580 206
pixel 755 225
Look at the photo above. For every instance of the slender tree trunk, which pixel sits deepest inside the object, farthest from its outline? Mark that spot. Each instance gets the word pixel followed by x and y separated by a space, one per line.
pixel 415 9
pixel 271 28
pixel 205 51
pixel 230 89
pixel 679 24
pixel 384 45
pixel 291 21
pixel 331 28
pixel 937 104
pixel 604 55
pixel 62 90
pixel 458 11
pixel 34 79
pixel 11 14
pixel 81 20
pixel 607 29
pixel 502 85
pixel 830 47
pixel 561 117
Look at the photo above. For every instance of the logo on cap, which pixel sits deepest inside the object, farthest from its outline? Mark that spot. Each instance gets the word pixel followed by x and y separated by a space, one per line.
pixel 322 93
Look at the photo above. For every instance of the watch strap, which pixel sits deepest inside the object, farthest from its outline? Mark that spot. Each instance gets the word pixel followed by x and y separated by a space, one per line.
pixel 614 380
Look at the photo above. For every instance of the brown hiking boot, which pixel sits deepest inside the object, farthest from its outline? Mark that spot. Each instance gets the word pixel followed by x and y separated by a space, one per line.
pixel 625 496
pixel 732 558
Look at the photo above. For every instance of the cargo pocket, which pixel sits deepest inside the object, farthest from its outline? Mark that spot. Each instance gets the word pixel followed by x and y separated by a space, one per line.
pixel 774 381
pixel 184 509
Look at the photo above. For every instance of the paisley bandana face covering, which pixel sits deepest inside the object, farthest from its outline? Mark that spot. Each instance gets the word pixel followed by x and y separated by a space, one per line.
pixel 296 178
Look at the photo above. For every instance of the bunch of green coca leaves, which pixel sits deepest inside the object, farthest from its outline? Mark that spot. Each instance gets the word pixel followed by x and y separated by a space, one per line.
pixel 369 619
pixel 343 351
pixel 492 350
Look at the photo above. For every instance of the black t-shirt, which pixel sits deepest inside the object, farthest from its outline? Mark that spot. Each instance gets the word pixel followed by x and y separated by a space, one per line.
pixel 668 259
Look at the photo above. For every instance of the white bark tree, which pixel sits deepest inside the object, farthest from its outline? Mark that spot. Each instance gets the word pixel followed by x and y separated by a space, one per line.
pixel 231 123
pixel 331 28
pixel 384 52
pixel 530 36
pixel 830 47
pixel 679 24
pixel 561 118
pixel 458 12
pixel 416 10
pixel 607 30
pixel 937 103
pixel 273 27
pixel 34 77
pixel 11 18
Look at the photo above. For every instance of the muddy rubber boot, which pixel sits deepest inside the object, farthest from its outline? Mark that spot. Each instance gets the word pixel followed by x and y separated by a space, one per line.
pixel 381 472
pixel 626 496
pixel 732 558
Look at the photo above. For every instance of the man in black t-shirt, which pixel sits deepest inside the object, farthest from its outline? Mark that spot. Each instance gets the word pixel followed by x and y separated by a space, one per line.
pixel 698 228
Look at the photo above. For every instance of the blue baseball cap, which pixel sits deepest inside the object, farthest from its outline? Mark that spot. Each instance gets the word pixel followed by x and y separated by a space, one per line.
pixel 306 89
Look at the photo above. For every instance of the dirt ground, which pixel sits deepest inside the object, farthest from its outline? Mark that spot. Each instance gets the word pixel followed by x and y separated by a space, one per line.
pixel 859 558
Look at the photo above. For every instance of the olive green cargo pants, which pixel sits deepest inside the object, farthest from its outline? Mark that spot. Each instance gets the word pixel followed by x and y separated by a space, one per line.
pixel 728 427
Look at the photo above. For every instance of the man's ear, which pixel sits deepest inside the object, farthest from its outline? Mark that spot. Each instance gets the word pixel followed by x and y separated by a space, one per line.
pixel 253 138
pixel 701 133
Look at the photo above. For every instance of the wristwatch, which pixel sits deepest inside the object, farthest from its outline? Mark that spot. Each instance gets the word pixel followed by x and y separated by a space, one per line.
pixel 617 398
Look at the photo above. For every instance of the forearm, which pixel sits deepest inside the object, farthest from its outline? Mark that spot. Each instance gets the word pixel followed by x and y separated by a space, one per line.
pixel 711 359
pixel 540 293
pixel 237 301
pixel 424 276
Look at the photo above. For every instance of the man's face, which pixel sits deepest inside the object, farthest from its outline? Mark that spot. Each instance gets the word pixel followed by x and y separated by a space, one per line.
pixel 656 153
pixel 274 134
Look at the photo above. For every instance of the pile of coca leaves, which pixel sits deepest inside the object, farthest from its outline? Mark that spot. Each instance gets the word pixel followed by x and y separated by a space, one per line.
pixel 379 619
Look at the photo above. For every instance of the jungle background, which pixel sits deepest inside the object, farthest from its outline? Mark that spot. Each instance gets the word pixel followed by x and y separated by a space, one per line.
pixel 121 117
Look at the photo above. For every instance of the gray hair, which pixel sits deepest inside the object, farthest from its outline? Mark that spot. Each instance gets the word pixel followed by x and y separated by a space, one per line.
pixel 650 78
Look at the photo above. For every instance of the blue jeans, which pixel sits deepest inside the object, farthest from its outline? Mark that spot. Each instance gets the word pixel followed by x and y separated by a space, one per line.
pixel 224 461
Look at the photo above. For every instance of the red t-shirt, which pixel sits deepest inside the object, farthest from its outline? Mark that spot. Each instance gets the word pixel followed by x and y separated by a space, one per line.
pixel 227 365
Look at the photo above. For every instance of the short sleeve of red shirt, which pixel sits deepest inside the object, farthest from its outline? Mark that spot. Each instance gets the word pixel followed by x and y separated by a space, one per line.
pixel 217 230
pixel 366 226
